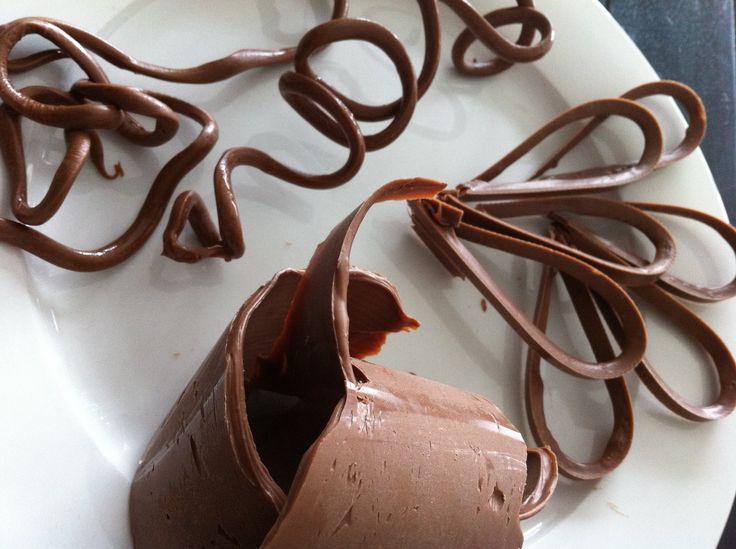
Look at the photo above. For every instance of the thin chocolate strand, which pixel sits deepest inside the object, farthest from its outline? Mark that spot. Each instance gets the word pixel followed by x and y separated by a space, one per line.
pixel 150 214
pixel 206 73
pixel 324 110
pixel 478 27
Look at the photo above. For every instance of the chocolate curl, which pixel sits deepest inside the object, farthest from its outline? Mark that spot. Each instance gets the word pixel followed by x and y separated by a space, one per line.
pixel 602 177
pixel 622 434
pixel 682 94
pixel 721 361
pixel 674 285
pixel 492 215
pixel 80 145
pixel 324 109
pixel 253 443
pixel 153 207
pixel 202 479
pixel 589 180
pixel 441 226
pixel 508 53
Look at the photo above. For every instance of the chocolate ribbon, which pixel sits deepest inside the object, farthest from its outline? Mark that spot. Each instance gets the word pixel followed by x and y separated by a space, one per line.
pixel 284 410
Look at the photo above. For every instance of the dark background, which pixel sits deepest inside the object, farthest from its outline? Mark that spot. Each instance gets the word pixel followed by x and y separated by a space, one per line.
pixel 693 41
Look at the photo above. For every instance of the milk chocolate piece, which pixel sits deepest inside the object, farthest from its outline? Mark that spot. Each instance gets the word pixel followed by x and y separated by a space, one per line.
pixel 286 437
pixel 99 104
pixel 622 434
pixel 719 359
pixel 599 178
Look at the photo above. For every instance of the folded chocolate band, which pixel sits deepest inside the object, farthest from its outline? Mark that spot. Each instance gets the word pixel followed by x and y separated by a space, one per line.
pixel 720 360
pixel 599 178
pixel 443 238
pixel 284 411
pixel 622 434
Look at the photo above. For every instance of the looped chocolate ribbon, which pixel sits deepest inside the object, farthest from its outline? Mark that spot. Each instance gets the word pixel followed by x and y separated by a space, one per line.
pixel 482 211
pixel 441 227
pixel 596 179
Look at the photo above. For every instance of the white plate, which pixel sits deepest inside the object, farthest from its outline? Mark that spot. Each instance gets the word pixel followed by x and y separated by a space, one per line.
pixel 91 363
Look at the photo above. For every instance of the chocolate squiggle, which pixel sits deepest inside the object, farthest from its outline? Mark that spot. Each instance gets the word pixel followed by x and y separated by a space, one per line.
pixel 310 96
pixel 98 104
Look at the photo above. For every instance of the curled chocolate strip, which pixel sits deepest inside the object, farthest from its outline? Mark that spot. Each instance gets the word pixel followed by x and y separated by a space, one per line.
pixel 589 180
pixel 619 442
pixel 688 323
pixel 282 410
pixel 681 93
pixel 601 178
pixel 491 215
pixel 151 211
pixel 673 284
pixel 441 226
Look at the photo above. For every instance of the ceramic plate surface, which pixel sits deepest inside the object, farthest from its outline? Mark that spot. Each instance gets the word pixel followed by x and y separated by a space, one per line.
pixel 91 363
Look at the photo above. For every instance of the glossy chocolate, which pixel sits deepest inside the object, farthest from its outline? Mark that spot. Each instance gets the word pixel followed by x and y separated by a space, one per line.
pixel 286 437
pixel 97 104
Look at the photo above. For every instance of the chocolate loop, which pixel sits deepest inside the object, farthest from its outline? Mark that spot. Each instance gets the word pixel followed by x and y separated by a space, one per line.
pixel 541 480
pixel 303 94
pixel 681 93
pixel 137 101
pixel 79 145
pixel 373 33
pixel 151 212
pixel 676 285
pixel 491 215
pixel 688 323
pixel 622 434
pixel 531 21
pixel 85 116
pixel 430 224
pixel 589 180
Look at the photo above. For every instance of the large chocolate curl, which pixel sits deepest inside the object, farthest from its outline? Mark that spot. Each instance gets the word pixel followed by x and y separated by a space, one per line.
pixel 285 437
